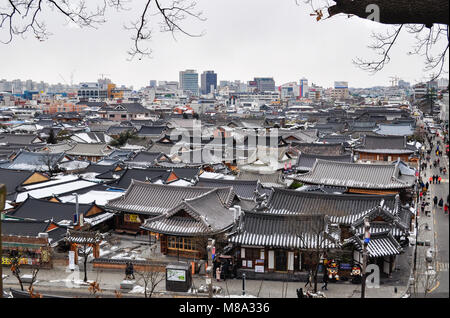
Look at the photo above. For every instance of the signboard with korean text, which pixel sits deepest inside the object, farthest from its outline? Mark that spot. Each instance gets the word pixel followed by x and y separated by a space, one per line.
pixel 71 260
pixel 22 261
pixel 259 266
pixel 132 218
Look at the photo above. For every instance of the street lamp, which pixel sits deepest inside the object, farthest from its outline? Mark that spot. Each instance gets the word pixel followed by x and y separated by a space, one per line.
pixel 366 243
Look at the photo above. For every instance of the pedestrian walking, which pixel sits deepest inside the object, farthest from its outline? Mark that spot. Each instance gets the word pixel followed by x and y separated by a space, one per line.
pixel 218 272
pixel 309 279
pixel 225 270
pixel 435 200
pixel 132 271
pixel 325 282
pixel 445 208
pixel 439 179
pixel 441 203
pixel 127 270
pixel 427 185
pixel 440 170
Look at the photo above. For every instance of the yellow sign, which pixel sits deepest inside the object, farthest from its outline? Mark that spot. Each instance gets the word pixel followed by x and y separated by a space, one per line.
pixel 22 261
pixel 132 218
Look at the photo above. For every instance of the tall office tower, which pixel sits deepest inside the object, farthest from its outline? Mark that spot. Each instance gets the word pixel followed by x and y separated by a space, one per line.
pixel 189 81
pixel 209 82
pixel 304 88
pixel 152 83
pixel 265 84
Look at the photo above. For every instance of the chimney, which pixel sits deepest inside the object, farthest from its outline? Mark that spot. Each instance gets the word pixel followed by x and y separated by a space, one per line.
pixel 238 210
pixel 234 213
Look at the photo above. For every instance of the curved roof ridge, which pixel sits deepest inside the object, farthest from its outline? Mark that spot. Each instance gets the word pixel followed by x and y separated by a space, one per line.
pixel 353 163
pixel 343 196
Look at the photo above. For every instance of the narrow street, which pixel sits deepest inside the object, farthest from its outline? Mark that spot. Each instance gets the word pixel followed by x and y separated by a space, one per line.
pixel 438 285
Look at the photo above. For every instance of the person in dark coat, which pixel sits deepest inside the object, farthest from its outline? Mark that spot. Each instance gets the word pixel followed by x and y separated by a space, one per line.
pixel 441 203
pixel 225 269
pixel 435 200
pixel 216 264
pixel 325 282
pixel 309 279
pixel 132 270
pixel 127 270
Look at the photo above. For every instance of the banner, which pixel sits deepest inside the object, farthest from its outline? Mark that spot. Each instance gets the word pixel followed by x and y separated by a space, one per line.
pixel 132 218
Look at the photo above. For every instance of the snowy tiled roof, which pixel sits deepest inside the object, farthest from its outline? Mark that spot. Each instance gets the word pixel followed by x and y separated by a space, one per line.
pixel 354 175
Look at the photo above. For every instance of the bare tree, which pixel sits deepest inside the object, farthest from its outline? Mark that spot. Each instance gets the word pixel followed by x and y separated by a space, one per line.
pixel 151 280
pixel 15 269
pixel 21 17
pixel 49 163
pixel 426 20
pixel 316 240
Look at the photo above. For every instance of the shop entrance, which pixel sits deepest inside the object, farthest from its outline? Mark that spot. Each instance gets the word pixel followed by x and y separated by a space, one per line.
pixel 280 260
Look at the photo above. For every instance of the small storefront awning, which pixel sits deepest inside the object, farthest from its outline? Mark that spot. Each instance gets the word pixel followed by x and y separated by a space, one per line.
pixel 15 245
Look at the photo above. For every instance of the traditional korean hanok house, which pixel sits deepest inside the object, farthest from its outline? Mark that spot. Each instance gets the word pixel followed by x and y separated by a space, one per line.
pixel 267 180
pixel 320 149
pixel 116 131
pixel 395 130
pixel 90 151
pixel 35 161
pixel 299 136
pixel 32 240
pixel 243 188
pixel 157 174
pixel 144 200
pixel 362 178
pixel 60 213
pixel 277 246
pixel 389 230
pixel 265 237
pixel 147 158
pixel 385 148
pixel 153 132
pixel 15 180
pixel 306 161
pixel 184 230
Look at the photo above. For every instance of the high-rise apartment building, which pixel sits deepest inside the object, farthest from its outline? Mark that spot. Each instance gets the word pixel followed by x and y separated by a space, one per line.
pixel 208 82
pixel 304 88
pixel 265 84
pixel 189 81
pixel 340 90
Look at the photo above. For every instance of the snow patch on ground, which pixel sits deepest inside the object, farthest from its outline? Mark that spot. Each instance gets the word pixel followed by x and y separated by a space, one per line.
pixel 235 296
pixel 137 290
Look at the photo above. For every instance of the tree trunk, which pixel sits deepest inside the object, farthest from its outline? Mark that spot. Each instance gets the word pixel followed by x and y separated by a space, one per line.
pixel 20 282
pixel 85 264
pixel 427 12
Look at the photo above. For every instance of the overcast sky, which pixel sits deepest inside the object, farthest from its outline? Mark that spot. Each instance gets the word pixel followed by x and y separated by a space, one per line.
pixel 243 39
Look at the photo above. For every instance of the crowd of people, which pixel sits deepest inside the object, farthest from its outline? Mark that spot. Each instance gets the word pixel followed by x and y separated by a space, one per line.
pixel 435 146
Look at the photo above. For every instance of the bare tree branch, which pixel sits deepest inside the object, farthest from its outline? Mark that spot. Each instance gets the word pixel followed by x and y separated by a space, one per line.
pixel 20 17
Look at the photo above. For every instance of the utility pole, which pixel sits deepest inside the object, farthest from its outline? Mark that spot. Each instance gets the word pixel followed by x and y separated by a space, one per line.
pixel 2 207
pixel 209 273
pixel 366 242
pixel 243 284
